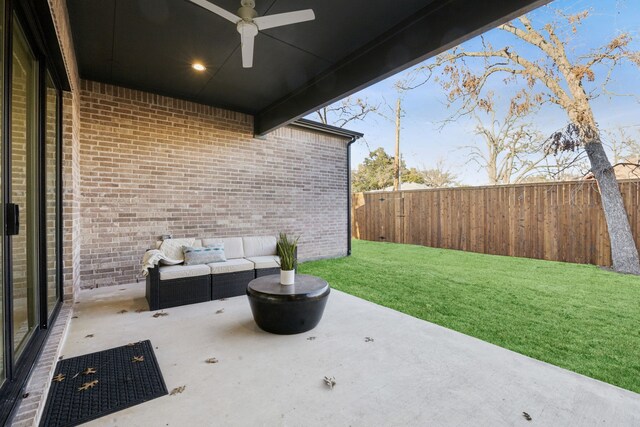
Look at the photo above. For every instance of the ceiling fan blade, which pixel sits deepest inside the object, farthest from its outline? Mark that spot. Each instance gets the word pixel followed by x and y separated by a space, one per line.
pixel 280 19
pixel 217 10
pixel 246 38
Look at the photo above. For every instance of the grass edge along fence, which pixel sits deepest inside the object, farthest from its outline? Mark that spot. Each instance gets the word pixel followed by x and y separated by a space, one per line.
pixel 559 221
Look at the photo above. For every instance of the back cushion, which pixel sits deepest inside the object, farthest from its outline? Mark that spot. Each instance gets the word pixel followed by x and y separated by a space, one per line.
pixel 232 246
pixel 172 248
pixel 259 246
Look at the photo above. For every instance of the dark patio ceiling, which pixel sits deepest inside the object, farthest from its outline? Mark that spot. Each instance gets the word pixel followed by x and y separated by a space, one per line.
pixel 151 44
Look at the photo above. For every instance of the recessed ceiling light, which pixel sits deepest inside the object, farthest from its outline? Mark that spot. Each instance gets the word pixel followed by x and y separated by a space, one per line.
pixel 198 66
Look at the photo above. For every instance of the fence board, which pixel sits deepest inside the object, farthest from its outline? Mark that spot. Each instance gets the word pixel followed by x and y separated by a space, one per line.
pixel 554 221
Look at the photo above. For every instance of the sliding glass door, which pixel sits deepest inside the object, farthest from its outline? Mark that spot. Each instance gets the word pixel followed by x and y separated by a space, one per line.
pixel 23 160
pixel 30 191
pixel 2 207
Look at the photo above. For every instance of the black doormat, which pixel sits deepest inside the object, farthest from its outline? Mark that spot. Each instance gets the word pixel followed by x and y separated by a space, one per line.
pixel 93 385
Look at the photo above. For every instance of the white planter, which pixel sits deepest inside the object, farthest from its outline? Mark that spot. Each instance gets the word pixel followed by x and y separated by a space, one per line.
pixel 287 277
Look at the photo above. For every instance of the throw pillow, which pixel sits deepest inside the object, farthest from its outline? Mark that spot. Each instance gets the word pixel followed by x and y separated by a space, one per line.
pixel 172 248
pixel 206 255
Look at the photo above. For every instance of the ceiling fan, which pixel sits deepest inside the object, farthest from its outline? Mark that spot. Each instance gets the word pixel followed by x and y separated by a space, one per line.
pixel 248 23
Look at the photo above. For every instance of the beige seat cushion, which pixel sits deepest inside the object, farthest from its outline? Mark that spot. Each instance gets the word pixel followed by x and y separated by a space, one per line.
pixel 180 271
pixel 230 266
pixel 232 246
pixel 269 261
pixel 258 246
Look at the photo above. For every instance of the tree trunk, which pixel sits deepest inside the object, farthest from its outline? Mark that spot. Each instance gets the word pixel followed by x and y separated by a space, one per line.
pixel 624 252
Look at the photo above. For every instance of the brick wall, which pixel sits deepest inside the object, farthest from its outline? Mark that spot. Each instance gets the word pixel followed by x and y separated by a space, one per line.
pixel 70 152
pixel 152 165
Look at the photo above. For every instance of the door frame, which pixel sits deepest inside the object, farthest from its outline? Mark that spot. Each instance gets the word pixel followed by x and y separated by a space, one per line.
pixel 37 24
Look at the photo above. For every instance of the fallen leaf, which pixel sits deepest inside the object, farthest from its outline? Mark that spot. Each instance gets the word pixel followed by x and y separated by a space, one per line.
pixel 178 390
pixel 212 360
pixel 526 416
pixel 89 371
pixel 89 336
pixel 140 310
pixel 87 386
pixel 122 311
pixel 160 313
pixel 368 339
pixel 24 396
pixel 222 299
pixel 311 338
pixel 74 317
pixel 220 311
pixel 61 357
pixel 58 378
pixel 137 359
pixel 330 382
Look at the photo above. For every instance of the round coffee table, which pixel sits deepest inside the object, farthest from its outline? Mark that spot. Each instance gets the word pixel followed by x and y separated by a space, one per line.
pixel 287 309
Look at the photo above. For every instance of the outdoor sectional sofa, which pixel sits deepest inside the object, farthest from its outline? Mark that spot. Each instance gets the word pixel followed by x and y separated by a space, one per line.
pixel 247 258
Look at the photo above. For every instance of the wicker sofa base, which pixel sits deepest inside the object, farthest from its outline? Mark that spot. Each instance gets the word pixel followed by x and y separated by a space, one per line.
pixel 175 292
pixel 267 271
pixel 229 285
pixel 190 290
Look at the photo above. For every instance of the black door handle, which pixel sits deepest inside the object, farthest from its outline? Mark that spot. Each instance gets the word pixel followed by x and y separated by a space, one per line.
pixel 13 219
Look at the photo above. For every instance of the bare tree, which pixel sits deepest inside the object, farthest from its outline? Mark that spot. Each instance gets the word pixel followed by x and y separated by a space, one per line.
pixel 549 66
pixel 512 148
pixel 439 176
pixel 346 111
pixel 623 146
pixel 563 166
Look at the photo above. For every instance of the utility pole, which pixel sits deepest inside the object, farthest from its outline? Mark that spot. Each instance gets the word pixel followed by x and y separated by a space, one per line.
pixel 396 160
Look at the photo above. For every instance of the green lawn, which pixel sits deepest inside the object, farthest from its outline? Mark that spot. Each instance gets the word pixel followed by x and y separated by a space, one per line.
pixel 579 317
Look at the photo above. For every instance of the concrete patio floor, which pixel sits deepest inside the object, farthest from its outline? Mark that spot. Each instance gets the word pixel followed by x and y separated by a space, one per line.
pixel 413 373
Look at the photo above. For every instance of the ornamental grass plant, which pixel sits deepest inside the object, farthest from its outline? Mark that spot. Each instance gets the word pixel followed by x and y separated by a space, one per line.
pixel 287 250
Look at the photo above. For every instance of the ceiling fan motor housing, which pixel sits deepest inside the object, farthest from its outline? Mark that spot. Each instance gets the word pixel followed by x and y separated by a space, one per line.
pixel 247 11
pixel 247 29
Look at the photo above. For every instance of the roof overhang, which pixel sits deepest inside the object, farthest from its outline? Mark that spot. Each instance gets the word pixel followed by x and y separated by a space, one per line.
pixel 297 69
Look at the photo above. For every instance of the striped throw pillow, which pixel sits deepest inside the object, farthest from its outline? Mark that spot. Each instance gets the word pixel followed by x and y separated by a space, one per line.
pixel 206 255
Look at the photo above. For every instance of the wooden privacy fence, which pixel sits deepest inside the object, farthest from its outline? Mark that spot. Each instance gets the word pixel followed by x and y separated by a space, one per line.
pixel 553 221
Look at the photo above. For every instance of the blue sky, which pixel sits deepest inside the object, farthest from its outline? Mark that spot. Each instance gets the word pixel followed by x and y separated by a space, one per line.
pixel 423 144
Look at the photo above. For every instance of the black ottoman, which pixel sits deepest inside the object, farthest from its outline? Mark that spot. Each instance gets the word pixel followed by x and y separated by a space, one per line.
pixel 287 309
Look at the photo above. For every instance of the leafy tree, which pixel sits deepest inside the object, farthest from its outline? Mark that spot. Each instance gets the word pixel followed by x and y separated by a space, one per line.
pixel 540 57
pixel 376 172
